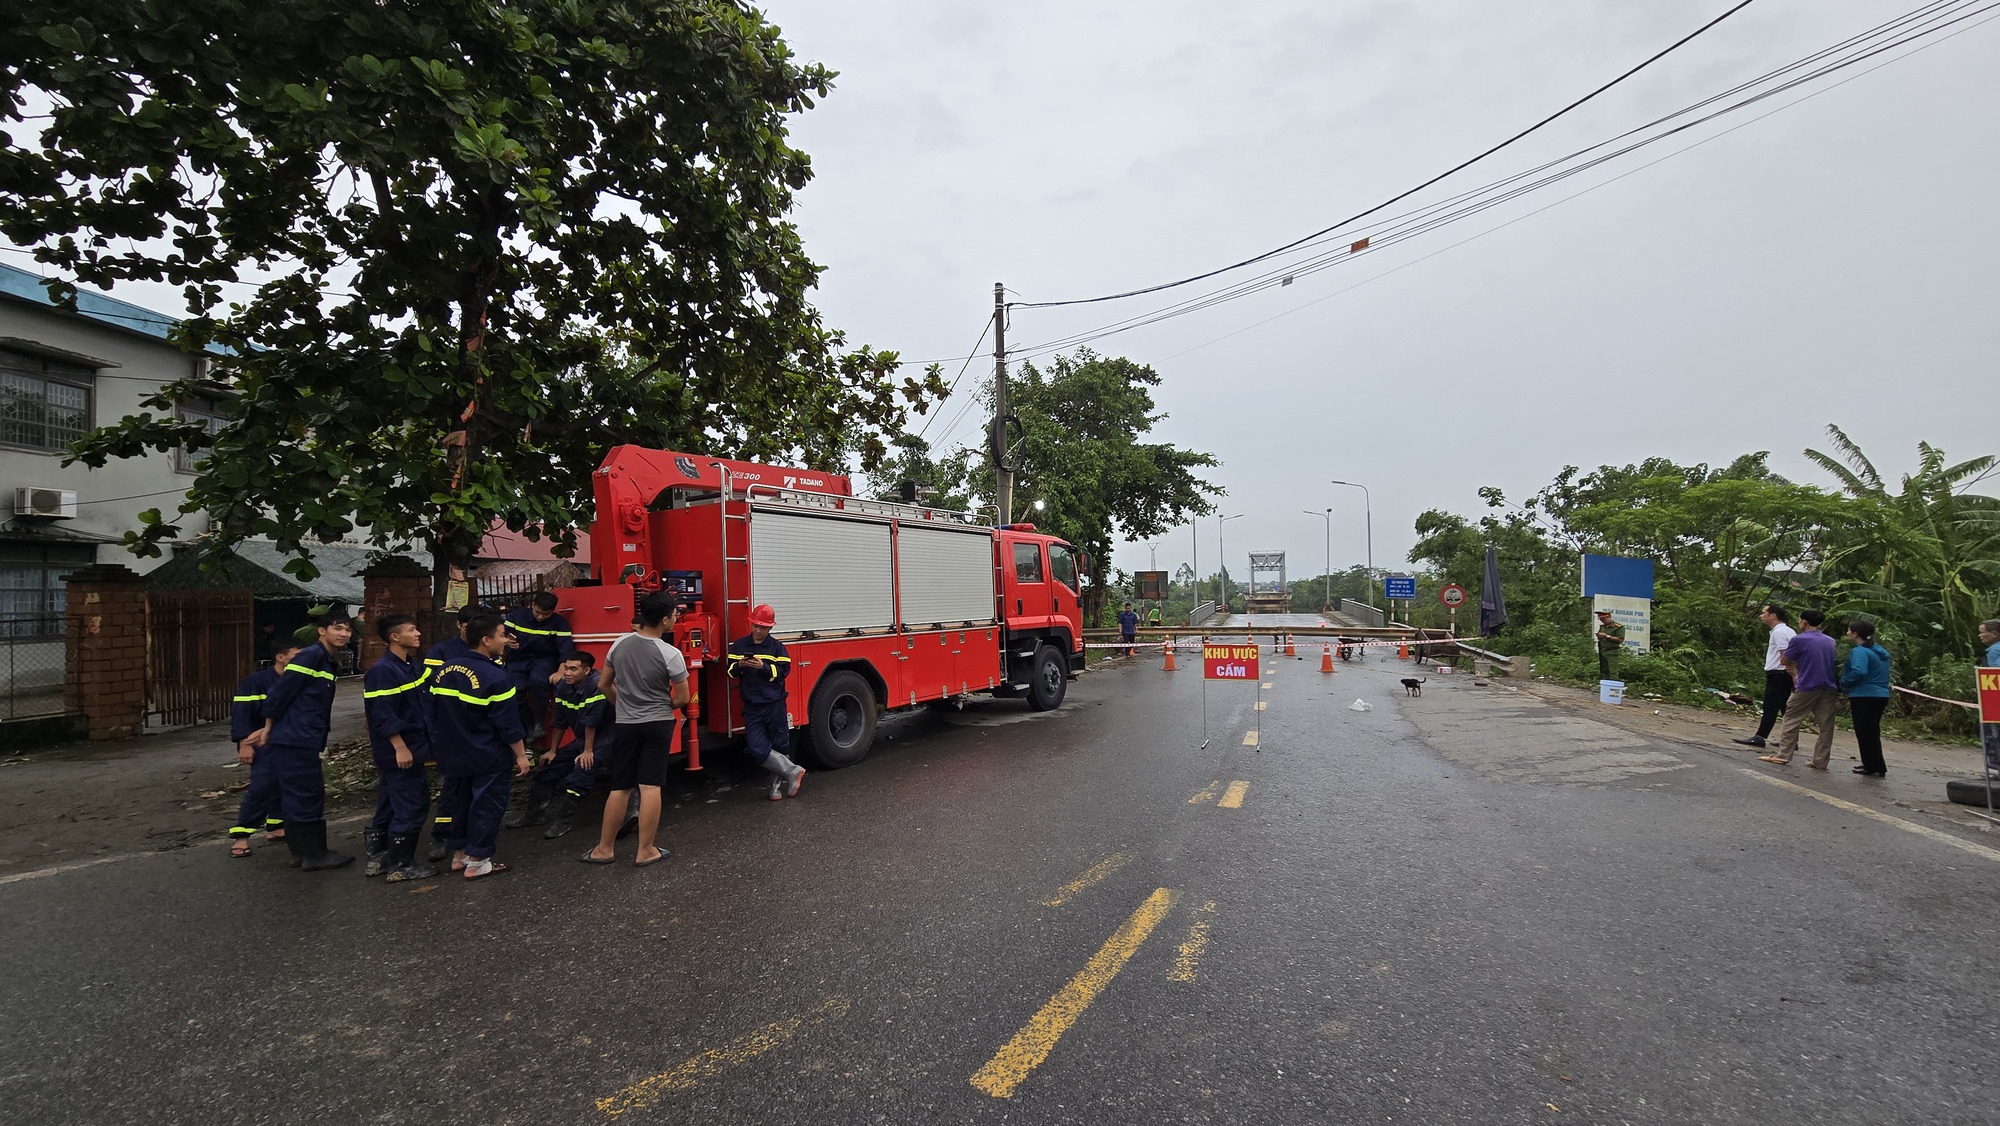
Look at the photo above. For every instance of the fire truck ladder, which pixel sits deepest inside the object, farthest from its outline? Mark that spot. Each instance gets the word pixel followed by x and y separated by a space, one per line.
pixel 728 491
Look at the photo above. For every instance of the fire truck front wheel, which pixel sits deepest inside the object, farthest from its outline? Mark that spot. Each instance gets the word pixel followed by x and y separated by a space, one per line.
pixel 1049 681
pixel 843 719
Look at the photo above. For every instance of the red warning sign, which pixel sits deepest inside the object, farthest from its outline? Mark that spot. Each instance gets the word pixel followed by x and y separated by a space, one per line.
pixel 1229 662
pixel 1989 695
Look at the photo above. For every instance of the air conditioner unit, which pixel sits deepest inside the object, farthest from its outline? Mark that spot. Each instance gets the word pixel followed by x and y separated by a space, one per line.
pixel 54 503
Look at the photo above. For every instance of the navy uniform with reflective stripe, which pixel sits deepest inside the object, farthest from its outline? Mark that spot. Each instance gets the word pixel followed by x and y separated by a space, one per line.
pixel 540 648
pixel 765 722
pixel 395 696
pixel 260 801
pixel 474 725
pixel 300 708
pixel 578 707
pixel 443 653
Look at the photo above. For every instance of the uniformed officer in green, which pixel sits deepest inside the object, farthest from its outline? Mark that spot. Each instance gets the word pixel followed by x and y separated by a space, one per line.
pixel 1610 639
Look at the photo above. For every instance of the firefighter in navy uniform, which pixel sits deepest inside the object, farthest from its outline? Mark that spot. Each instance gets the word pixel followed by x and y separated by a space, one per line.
pixel 476 735
pixel 296 713
pixel 568 773
pixel 761 667
pixel 397 703
pixel 260 800
pixel 446 650
pixel 538 639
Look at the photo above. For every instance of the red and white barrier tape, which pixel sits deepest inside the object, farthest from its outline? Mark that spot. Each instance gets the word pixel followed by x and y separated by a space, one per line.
pixel 1927 696
pixel 1304 643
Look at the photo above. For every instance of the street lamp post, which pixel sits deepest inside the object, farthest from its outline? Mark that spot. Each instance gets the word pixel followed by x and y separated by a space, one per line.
pixel 1223 553
pixel 1368 512
pixel 1328 517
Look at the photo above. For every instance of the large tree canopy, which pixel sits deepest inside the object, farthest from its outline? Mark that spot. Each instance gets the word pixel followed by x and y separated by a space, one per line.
pixel 452 248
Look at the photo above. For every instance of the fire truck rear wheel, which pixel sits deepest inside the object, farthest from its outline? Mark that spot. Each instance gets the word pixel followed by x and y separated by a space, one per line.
pixel 842 719
pixel 1049 681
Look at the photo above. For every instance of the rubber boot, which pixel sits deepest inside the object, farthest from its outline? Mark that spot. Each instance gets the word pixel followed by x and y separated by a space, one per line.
pixel 536 811
pixel 314 856
pixel 793 774
pixel 560 820
pixel 375 843
pixel 631 824
pixel 439 831
pixel 292 847
pixel 403 857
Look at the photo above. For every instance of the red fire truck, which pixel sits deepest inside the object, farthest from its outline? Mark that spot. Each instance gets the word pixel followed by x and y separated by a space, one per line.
pixel 883 605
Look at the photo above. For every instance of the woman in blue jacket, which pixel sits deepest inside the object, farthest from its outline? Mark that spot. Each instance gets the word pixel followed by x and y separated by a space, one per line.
pixel 1866 682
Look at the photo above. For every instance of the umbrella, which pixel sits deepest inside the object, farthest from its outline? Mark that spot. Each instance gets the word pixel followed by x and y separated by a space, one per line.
pixel 1492 606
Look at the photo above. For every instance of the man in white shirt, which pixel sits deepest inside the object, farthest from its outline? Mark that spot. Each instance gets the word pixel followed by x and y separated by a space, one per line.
pixel 1777 678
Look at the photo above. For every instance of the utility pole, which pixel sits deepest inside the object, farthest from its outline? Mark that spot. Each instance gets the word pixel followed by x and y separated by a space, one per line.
pixel 1003 473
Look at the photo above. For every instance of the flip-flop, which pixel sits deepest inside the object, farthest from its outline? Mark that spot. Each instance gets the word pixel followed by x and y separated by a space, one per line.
pixel 1774 760
pixel 664 853
pixel 587 858
pixel 493 871
pixel 238 854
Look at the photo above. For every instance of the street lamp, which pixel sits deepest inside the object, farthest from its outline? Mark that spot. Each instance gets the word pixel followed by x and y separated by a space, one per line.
pixel 1223 553
pixel 1328 517
pixel 1368 511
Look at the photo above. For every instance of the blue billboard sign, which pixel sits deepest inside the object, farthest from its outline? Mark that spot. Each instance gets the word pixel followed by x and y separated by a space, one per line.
pixel 1399 587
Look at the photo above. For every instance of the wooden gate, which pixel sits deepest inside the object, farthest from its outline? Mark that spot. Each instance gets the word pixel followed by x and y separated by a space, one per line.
pixel 198 648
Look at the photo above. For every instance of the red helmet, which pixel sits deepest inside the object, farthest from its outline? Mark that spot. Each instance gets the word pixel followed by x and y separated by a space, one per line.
pixel 763 615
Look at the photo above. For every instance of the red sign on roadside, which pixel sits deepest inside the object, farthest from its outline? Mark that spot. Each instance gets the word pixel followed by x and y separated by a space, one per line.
pixel 1989 695
pixel 1452 596
pixel 1230 662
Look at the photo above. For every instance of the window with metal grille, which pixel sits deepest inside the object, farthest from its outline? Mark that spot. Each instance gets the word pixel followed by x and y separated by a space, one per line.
pixel 44 404
pixel 32 595
pixel 207 413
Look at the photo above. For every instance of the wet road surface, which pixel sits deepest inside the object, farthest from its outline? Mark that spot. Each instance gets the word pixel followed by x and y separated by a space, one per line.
pixel 1469 907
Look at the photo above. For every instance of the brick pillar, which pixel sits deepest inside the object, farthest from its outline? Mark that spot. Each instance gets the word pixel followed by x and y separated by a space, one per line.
pixel 106 650
pixel 394 585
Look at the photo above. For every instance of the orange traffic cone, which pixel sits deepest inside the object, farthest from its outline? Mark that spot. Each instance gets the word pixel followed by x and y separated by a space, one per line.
pixel 1403 651
pixel 1326 659
pixel 1291 650
pixel 1167 647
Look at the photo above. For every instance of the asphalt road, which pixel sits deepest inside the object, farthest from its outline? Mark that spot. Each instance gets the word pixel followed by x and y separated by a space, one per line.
pixel 1466 908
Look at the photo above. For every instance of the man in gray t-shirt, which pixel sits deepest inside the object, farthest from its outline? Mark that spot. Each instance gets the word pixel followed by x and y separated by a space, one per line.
pixel 645 680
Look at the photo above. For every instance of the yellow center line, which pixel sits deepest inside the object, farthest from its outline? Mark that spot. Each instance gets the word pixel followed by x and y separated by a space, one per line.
pixel 1011 1065
pixel 1189 961
pixel 1204 796
pixel 1249 738
pixel 1090 878
pixel 648 1092
pixel 1266 684
pixel 1232 798
pixel 1979 850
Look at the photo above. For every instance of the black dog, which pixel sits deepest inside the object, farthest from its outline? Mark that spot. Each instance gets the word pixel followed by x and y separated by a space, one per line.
pixel 1414 685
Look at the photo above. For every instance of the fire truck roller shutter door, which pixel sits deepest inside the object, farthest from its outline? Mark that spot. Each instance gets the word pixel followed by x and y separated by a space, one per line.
pixel 824 574
pixel 947 575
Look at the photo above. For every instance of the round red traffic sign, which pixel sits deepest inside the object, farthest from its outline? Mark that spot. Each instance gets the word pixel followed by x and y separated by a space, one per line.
pixel 1452 595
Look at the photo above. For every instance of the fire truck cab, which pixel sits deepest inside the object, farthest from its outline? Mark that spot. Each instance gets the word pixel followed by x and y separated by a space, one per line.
pixel 882 605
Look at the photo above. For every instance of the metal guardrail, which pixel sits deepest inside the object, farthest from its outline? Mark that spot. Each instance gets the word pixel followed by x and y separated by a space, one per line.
pixel 1502 664
pixel 1202 613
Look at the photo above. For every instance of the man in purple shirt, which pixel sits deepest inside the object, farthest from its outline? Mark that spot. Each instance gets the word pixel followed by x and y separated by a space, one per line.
pixel 1811 660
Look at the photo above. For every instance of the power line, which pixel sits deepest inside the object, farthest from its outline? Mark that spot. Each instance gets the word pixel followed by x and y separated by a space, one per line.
pixel 1461 166
pixel 1928 21
pixel 983 330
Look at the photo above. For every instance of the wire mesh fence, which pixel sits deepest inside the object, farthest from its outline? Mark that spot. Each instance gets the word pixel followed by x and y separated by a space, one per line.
pixel 32 655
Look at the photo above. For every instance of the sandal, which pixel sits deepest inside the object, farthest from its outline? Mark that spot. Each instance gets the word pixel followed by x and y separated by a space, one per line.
pixel 239 849
pixel 480 869
pixel 1775 760
pixel 664 853
pixel 587 858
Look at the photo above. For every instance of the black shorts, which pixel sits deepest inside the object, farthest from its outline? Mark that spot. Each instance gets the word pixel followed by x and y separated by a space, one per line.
pixel 639 754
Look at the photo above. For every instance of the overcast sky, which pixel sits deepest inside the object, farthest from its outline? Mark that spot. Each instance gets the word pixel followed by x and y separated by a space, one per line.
pixel 1834 263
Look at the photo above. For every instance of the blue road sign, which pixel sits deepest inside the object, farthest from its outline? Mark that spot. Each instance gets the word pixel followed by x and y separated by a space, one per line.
pixel 1402 587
